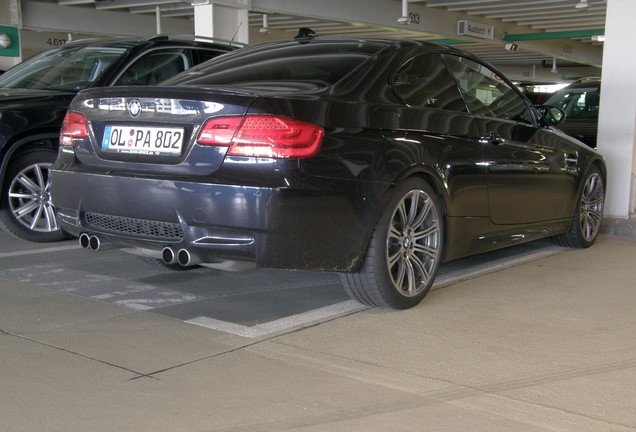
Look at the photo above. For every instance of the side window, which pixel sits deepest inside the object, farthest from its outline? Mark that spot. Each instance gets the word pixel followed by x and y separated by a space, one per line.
pixel 586 105
pixel 424 81
pixel 562 101
pixel 156 66
pixel 486 94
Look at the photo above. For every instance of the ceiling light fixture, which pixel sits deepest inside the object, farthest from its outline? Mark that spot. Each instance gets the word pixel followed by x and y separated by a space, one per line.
pixel 405 18
pixel 5 40
pixel 265 28
pixel 582 5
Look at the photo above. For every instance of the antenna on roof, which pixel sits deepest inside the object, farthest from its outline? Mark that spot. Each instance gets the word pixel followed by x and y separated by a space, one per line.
pixel 237 30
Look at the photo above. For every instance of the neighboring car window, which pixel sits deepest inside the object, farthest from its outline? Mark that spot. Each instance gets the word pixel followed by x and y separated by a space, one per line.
pixel 486 94
pixel 301 65
pixel 156 66
pixel 424 82
pixel 62 69
pixel 580 103
pixel 208 54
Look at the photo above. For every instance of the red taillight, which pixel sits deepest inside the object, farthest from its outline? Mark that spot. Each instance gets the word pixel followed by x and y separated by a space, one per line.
pixel 262 136
pixel 73 126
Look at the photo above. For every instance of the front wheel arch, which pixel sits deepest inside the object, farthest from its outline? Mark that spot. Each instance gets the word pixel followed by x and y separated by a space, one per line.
pixel 26 209
pixel 588 213
pixel 17 148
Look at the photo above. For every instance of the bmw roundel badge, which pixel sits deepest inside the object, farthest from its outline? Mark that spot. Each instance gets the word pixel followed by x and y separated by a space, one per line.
pixel 134 108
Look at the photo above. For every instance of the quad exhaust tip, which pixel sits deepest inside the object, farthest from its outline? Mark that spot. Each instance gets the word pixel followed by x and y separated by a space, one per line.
pixel 85 241
pixel 168 255
pixel 183 257
pixel 187 259
pixel 93 242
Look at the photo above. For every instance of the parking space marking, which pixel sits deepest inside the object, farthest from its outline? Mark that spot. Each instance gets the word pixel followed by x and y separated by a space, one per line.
pixel 279 324
pixel 39 251
pixel 146 289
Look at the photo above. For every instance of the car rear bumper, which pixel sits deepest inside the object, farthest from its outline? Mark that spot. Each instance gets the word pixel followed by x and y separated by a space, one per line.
pixel 305 226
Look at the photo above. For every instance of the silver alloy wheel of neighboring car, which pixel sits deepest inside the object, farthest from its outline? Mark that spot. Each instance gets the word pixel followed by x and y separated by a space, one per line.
pixel 413 243
pixel 591 214
pixel 30 200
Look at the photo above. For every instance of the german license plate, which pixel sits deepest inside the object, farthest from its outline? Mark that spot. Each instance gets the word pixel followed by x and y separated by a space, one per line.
pixel 143 140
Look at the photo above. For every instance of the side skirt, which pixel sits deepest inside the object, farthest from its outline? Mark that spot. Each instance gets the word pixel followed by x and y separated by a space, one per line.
pixel 470 235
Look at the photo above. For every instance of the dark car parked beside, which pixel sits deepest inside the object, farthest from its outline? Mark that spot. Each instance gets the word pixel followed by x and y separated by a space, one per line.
pixel 35 95
pixel 375 158
pixel 580 101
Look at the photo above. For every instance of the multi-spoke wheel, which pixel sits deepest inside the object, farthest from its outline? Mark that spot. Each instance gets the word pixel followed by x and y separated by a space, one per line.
pixel 587 219
pixel 26 209
pixel 405 250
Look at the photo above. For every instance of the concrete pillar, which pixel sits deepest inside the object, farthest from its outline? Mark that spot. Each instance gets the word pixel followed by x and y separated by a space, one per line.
pixel 617 121
pixel 228 20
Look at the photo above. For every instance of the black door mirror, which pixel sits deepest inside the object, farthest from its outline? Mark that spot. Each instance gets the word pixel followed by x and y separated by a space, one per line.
pixel 551 115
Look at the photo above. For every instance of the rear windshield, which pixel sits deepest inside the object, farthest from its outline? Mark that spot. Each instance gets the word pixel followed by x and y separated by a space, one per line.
pixel 317 64
pixel 65 68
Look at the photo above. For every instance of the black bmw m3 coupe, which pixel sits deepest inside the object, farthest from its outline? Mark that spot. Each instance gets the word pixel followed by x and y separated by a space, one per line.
pixel 376 158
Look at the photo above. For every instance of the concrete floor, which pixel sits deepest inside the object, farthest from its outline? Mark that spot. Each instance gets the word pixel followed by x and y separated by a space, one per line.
pixel 542 345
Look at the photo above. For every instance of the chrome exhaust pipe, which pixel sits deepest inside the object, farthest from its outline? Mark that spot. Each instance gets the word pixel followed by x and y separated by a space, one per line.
pixel 85 241
pixel 187 259
pixel 168 255
pixel 95 243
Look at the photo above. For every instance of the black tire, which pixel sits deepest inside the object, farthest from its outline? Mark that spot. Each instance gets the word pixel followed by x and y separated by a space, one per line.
pixel 588 216
pixel 404 252
pixel 156 262
pixel 26 209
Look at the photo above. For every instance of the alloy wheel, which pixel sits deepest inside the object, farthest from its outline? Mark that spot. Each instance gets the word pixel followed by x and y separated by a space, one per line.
pixel 413 243
pixel 30 199
pixel 592 207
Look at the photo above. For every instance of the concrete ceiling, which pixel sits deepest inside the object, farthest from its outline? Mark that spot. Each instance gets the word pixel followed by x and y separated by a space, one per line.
pixel 543 29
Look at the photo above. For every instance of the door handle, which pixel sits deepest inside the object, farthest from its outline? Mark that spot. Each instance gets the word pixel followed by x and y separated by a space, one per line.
pixel 492 138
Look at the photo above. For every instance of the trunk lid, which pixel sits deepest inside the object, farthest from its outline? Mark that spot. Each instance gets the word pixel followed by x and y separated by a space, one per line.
pixel 153 129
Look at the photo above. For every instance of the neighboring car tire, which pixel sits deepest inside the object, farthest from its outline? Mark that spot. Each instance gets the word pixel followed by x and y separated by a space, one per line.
pixel 588 216
pixel 26 210
pixel 404 252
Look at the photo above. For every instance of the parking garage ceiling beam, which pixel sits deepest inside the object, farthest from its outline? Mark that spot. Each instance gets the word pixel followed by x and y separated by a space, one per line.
pixel 54 17
pixel 485 5
pixel 434 21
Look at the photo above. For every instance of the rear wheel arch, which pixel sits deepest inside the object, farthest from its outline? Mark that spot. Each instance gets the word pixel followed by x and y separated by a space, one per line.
pixel 435 183
pixel 406 246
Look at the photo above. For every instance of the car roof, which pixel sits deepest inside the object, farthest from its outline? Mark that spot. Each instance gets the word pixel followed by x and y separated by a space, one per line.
pixel 591 82
pixel 158 40
pixel 389 41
